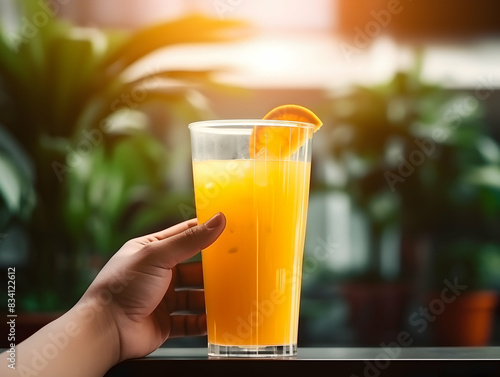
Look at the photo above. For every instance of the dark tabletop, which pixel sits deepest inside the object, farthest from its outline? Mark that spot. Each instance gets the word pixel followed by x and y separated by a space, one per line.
pixel 350 362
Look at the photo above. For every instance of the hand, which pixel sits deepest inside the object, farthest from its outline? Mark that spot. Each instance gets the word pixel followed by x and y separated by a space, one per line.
pixel 128 310
pixel 137 287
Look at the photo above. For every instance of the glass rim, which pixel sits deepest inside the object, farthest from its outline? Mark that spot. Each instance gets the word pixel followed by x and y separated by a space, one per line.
pixel 246 123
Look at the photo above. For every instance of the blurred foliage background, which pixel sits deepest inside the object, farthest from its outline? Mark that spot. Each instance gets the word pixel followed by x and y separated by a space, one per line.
pixel 95 98
pixel 82 170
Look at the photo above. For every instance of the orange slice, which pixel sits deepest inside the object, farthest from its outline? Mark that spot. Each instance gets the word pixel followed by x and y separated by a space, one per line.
pixel 282 142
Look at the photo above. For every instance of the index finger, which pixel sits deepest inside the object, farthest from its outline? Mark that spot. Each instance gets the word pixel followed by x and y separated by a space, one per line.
pixel 176 249
pixel 175 229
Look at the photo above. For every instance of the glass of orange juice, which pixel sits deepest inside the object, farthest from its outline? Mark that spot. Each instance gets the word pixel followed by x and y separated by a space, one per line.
pixel 252 273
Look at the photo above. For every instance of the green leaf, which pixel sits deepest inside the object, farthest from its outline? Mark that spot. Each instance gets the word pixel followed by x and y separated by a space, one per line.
pixel 18 157
pixel 70 61
pixel 190 29
pixel 185 103
pixel 10 185
pixel 10 66
pixel 14 80
pixel 16 177
pixel 489 149
pixel 202 78
pixel 158 79
pixel 88 86
pixel 489 266
pixel 484 176
pixel 158 209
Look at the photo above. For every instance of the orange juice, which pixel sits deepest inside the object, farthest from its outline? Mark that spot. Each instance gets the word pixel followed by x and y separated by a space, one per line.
pixel 252 273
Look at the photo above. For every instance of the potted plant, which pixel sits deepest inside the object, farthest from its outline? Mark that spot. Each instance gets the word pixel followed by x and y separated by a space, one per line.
pixel 465 315
pixel 466 243
pixel 84 168
pixel 416 161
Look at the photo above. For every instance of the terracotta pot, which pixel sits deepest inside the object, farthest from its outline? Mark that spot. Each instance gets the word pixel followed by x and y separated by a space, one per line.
pixel 467 321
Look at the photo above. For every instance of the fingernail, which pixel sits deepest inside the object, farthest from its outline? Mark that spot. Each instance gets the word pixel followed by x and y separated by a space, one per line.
pixel 214 222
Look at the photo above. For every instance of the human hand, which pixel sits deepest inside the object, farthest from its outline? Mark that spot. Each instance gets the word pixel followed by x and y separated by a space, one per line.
pixel 135 293
pixel 128 310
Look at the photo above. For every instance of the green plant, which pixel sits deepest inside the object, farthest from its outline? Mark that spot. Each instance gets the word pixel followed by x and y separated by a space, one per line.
pixel 95 172
pixel 16 185
pixel 418 156
pixel 473 264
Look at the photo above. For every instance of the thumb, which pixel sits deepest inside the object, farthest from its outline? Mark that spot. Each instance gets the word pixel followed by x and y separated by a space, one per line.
pixel 182 246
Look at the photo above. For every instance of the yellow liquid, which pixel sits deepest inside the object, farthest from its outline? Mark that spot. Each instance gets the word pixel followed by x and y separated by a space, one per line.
pixel 252 273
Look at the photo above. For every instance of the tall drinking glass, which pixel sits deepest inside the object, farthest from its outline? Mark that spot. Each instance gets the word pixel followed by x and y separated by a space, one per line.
pixel 252 273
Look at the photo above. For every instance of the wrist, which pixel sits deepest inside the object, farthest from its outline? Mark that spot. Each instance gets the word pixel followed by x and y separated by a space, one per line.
pixel 95 319
pixel 81 343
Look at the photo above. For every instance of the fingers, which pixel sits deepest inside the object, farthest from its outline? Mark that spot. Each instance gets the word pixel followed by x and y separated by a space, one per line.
pixel 189 300
pixel 176 229
pixel 188 325
pixel 188 275
pixel 182 246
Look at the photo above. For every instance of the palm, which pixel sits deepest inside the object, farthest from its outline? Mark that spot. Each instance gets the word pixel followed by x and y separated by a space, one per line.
pixel 142 316
pixel 146 311
pixel 145 299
